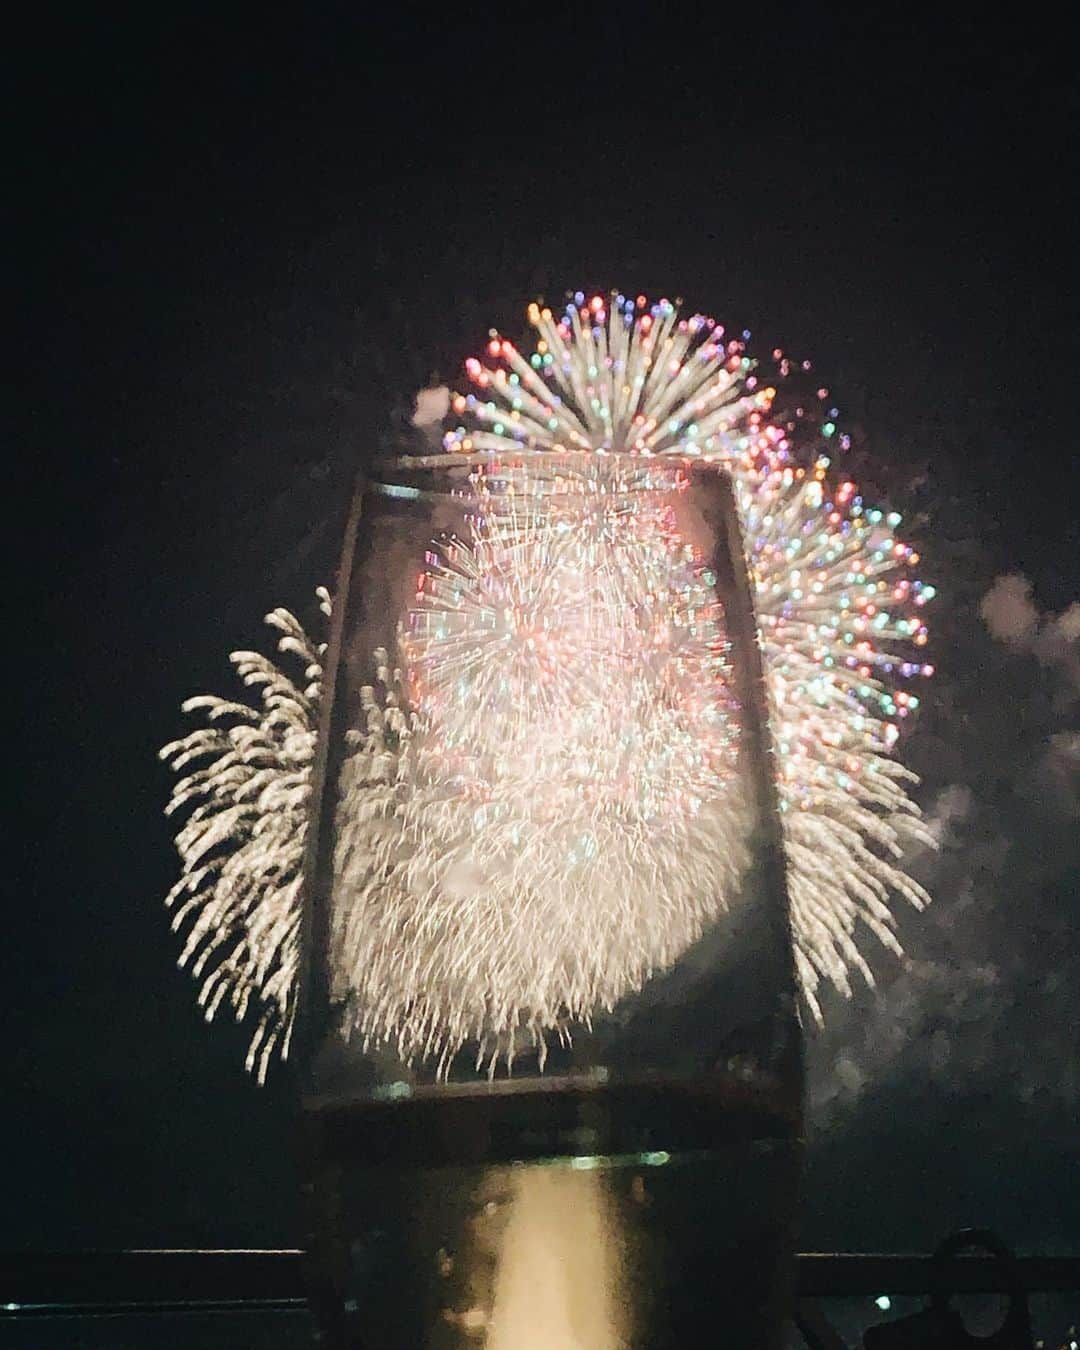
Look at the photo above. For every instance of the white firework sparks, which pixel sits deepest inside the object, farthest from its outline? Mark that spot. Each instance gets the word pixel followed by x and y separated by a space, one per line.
pixel 237 902
pixel 562 820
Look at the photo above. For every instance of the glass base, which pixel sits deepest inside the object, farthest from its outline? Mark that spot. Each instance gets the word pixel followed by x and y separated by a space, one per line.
pixel 629 1217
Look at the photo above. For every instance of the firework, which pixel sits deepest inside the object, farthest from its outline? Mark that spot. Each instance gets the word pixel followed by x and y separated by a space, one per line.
pixel 840 615
pixel 540 809
pixel 837 614
pixel 611 376
pixel 237 902
pixel 523 641
pixel 559 819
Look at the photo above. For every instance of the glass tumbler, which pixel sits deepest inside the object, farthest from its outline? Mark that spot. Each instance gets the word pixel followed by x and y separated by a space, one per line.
pixel 554 1095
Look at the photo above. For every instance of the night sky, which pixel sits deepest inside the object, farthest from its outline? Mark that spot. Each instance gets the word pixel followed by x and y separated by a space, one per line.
pixel 244 246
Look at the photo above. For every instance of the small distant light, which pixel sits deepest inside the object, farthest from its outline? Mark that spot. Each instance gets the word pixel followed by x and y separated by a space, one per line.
pixel 398 490
pixel 585 1164
pixel 656 1159
pixel 884 1302
pixel 393 1092
pixel 11 1307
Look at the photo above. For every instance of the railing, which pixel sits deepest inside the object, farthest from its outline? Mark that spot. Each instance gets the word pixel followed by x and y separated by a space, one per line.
pixel 86 1284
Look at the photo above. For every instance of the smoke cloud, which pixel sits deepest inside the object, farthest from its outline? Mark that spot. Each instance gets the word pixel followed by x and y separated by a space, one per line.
pixel 992 964
pixel 1012 617
pixel 1009 612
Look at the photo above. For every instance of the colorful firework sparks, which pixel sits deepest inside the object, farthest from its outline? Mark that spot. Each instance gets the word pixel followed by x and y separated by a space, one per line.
pixel 539 813
pixel 559 606
pixel 611 377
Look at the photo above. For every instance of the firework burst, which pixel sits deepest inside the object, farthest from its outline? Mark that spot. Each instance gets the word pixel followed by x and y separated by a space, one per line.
pixel 540 809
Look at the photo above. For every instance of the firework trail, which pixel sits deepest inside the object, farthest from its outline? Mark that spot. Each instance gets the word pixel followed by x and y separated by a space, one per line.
pixel 540 808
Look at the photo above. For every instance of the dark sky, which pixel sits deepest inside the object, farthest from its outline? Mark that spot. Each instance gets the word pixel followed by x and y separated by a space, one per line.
pixel 243 244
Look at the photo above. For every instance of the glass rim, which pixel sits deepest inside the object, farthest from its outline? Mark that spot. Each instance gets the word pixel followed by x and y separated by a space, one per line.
pixel 388 477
